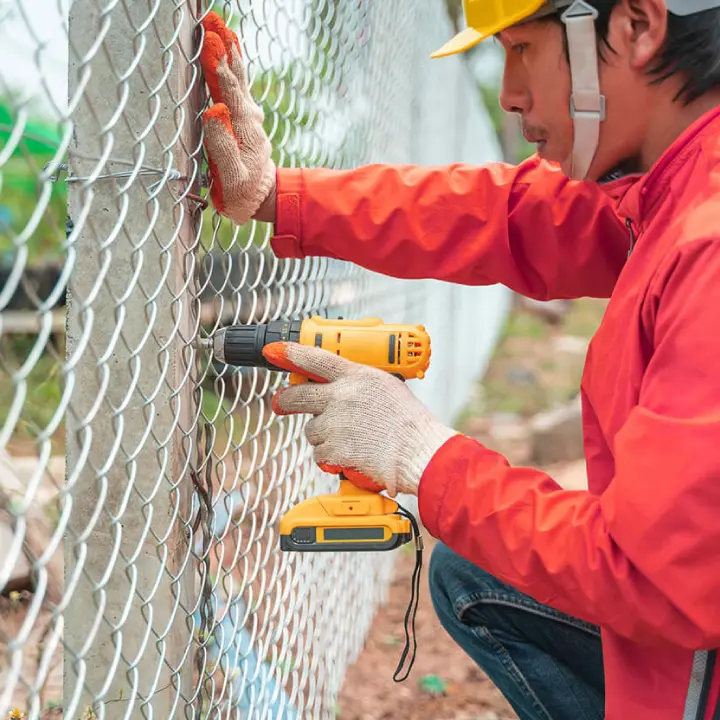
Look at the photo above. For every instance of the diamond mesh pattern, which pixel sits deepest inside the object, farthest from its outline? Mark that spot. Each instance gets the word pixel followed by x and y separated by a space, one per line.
pixel 140 484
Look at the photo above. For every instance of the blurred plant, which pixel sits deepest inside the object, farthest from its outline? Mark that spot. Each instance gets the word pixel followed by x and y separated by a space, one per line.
pixel 20 186
pixel 433 685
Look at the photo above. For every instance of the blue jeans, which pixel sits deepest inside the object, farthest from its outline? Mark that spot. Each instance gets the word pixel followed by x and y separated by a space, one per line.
pixel 548 665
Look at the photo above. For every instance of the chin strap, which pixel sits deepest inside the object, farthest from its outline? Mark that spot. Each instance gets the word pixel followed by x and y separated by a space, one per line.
pixel 587 103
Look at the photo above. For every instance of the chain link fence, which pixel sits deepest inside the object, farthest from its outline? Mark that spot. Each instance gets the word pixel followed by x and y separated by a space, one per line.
pixel 141 482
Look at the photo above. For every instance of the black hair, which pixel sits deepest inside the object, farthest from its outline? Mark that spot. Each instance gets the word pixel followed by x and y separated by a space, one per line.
pixel 691 49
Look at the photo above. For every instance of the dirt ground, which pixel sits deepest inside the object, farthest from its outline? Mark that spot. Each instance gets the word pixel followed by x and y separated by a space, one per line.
pixel 444 684
pixel 13 614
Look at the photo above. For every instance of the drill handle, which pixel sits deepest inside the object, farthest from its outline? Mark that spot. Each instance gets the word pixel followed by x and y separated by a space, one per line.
pixel 348 487
pixel 357 479
pixel 363 482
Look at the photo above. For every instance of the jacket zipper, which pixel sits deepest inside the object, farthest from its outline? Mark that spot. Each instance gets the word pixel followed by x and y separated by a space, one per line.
pixel 629 225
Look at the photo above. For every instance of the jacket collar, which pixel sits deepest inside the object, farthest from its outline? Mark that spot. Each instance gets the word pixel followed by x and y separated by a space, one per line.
pixel 638 195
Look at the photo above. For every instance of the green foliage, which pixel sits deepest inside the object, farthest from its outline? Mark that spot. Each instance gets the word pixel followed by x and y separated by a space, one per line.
pixel 225 9
pixel 489 90
pixel 490 94
pixel 21 191
pixel 292 112
pixel 39 136
pixel 524 325
pixel 43 386
pixel 287 665
pixel 433 685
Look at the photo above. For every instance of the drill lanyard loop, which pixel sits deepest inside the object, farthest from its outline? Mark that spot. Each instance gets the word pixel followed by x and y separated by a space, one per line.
pixel 411 612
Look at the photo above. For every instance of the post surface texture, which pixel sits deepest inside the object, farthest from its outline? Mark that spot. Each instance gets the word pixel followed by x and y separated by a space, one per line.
pixel 129 330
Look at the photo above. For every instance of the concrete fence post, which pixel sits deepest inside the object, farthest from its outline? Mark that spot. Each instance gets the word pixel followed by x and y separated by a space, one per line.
pixel 128 569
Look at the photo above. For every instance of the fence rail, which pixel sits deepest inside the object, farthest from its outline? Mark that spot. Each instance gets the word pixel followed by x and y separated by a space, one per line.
pixel 141 483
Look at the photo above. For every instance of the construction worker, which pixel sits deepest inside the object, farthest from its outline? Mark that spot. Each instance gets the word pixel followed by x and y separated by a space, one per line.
pixel 578 604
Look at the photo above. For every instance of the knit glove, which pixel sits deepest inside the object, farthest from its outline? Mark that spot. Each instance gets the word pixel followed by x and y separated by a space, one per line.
pixel 242 173
pixel 366 421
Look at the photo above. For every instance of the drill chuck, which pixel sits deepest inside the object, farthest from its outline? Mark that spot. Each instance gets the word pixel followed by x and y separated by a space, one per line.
pixel 242 345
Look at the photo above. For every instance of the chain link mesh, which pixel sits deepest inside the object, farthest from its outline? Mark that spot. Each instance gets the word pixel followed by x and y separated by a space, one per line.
pixel 141 482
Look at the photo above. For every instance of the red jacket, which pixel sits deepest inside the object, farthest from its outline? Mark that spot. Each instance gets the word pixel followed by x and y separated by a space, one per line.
pixel 639 554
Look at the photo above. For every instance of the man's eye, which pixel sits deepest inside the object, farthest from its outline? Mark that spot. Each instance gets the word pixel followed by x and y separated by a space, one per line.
pixel 519 48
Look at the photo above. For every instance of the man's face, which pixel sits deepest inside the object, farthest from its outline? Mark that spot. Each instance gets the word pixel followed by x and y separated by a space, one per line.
pixel 537 86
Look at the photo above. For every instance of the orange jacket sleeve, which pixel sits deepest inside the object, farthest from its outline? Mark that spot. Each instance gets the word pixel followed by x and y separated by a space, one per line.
pixel 641 559
pixel 526 227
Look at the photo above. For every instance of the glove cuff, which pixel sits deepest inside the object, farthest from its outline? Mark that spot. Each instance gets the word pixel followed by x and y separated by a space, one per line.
pixel 414 462
pixel 242 212
pixel 267 183
pixel 264 188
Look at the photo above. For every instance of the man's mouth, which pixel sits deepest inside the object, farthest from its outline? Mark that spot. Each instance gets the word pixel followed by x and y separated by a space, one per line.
pixel 539 144
pixel 534 139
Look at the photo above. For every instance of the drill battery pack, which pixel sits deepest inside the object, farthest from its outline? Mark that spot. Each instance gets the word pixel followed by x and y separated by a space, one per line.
pixel 351 520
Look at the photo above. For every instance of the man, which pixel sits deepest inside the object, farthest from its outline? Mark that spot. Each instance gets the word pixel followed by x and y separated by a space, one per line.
pixel 578 605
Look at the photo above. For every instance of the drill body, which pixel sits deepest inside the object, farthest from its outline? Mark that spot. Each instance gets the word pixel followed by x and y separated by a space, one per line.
pixel 353 519
pixel 403 350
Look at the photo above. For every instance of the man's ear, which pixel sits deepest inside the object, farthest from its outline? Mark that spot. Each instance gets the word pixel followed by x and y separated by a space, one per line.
pixel 641 27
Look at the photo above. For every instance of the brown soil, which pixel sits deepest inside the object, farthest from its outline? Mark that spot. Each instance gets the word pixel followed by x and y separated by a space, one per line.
pixel 13 614
pixel 369 692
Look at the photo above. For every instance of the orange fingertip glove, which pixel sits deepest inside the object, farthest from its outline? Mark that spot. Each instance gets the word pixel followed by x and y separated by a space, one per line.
pixel 241 170
pixel 280 354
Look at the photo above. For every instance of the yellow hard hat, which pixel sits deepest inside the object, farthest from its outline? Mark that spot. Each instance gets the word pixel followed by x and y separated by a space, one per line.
pixel 485 18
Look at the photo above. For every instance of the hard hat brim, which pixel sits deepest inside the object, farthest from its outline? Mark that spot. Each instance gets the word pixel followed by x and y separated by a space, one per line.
pixel 464 40
pixel 492 24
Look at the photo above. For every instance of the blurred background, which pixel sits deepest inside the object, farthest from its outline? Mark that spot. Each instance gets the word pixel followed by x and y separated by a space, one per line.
pixel 141 481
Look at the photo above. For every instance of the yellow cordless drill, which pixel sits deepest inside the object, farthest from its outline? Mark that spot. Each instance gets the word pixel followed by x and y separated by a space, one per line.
pixel 353 519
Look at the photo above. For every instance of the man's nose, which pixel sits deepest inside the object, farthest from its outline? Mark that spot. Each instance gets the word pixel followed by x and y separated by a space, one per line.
pixel 514 97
